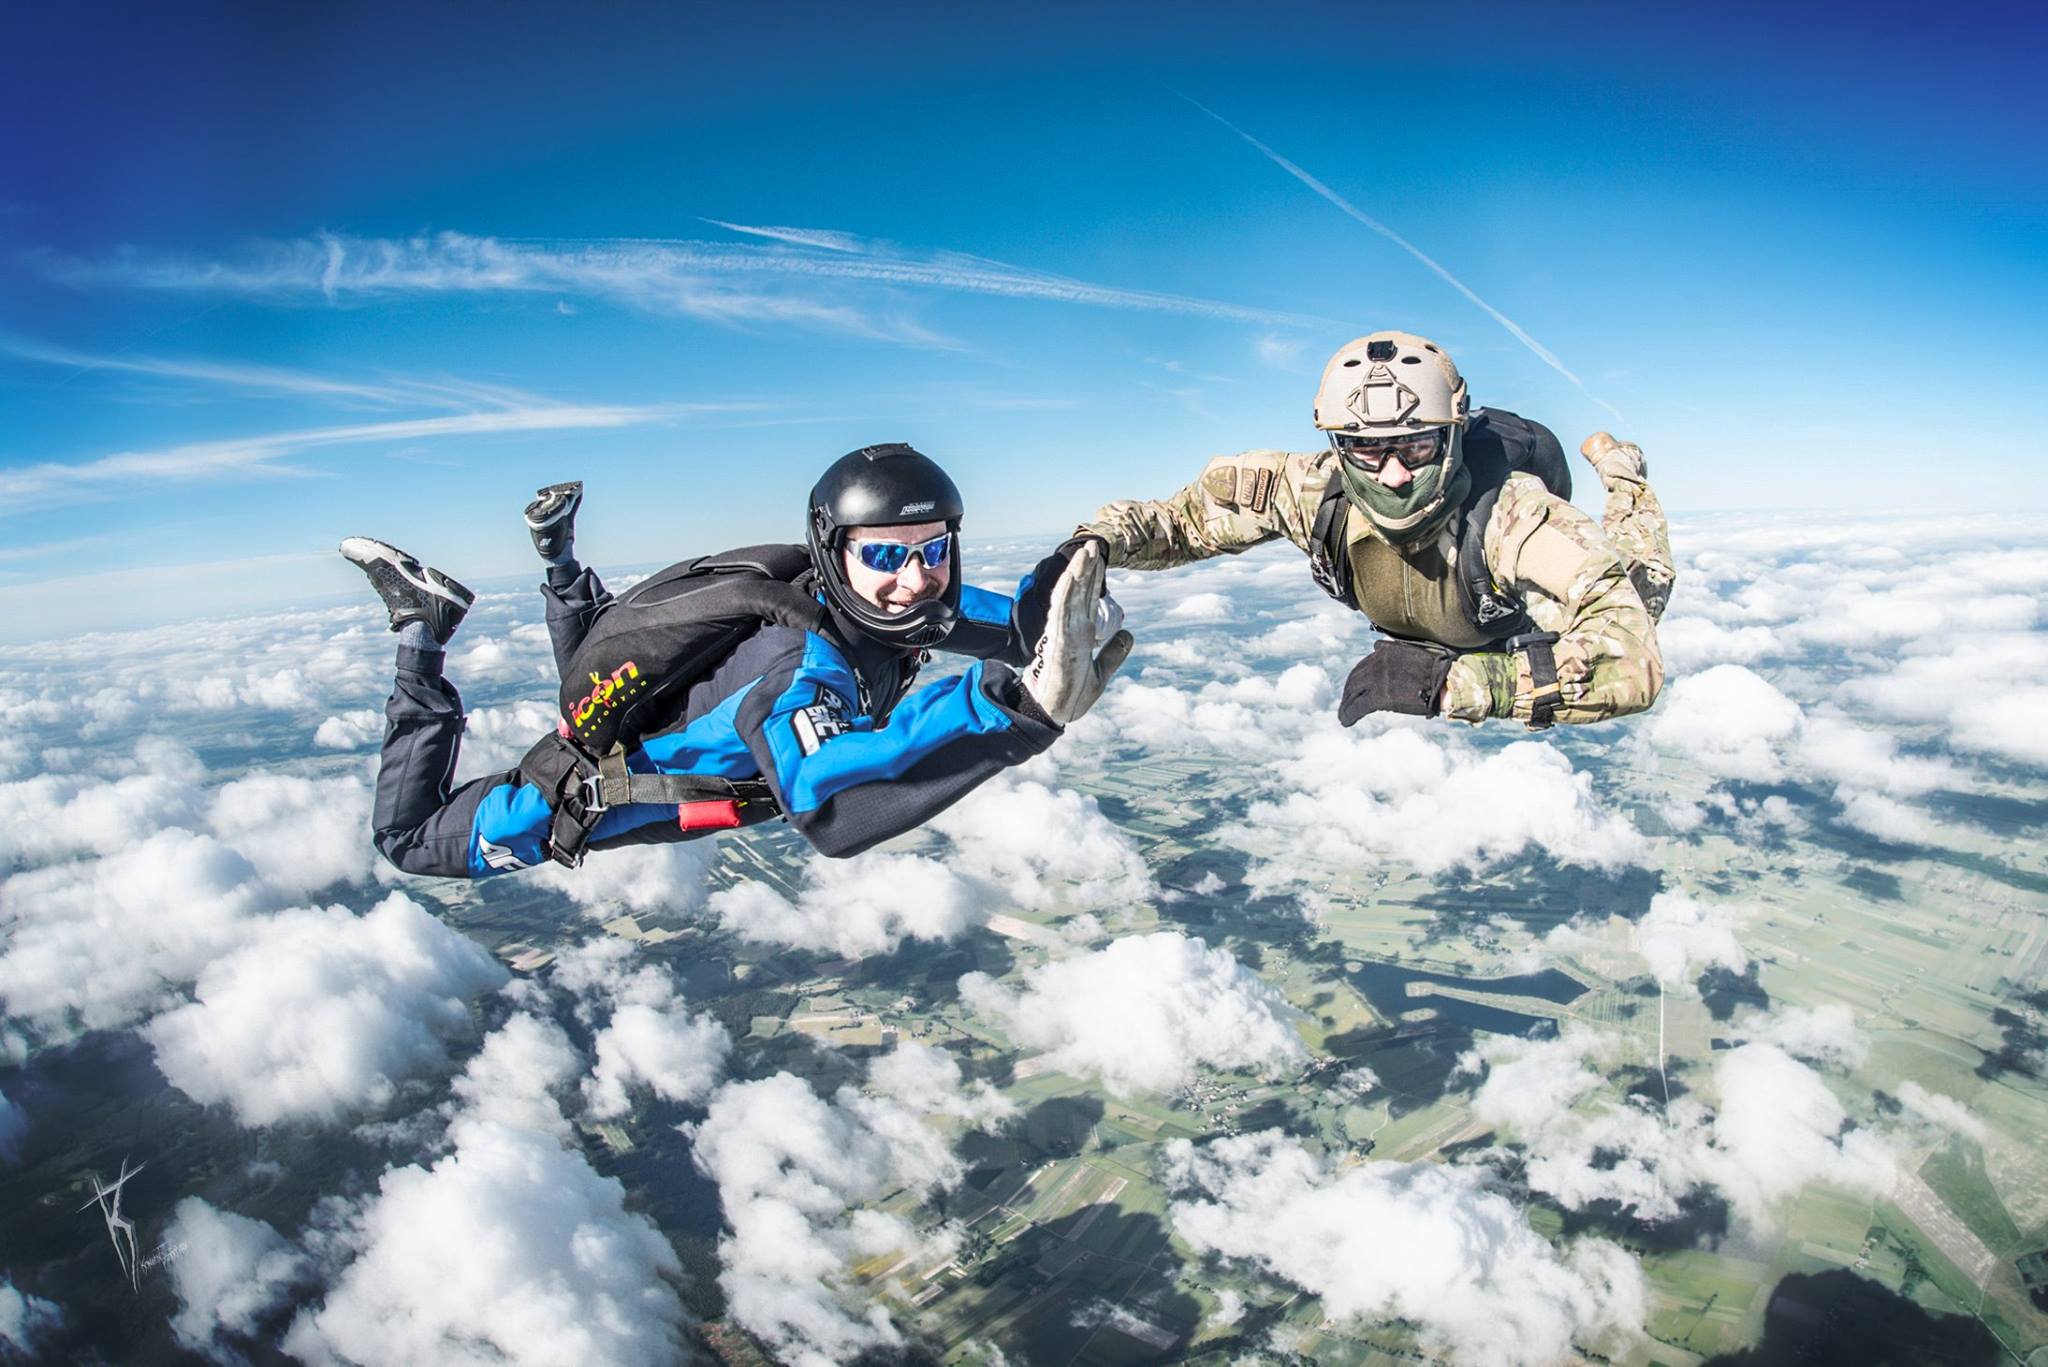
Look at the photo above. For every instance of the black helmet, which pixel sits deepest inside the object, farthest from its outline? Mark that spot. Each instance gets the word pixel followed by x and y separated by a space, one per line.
pixel 890 485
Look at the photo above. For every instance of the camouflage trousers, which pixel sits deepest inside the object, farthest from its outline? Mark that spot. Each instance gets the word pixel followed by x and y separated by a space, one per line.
pixel 1634 522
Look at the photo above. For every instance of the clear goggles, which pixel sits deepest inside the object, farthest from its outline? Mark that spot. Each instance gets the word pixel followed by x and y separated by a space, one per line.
pixel 1369 451
pixel 889 557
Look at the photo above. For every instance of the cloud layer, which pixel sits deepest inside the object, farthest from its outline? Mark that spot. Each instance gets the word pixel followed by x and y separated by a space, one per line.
pixel 1146 1011
pixel 1411 1241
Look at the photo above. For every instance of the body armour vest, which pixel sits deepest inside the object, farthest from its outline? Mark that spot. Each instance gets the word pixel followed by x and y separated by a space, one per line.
pixel 1413 594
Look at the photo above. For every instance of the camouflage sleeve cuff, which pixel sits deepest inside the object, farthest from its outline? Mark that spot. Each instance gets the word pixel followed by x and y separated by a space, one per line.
pixel 1115 553
pixel 1480 686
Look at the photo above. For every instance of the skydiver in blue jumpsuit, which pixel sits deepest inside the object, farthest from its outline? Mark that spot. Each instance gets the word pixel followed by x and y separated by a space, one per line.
pixel 827 718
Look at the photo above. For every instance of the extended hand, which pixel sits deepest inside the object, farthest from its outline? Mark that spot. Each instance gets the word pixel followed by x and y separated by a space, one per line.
pixel 1066 674
pixel 1398 676
pixel 1034 598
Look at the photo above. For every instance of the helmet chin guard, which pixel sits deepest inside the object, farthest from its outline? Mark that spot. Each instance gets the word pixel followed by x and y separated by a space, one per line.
pixel 890 485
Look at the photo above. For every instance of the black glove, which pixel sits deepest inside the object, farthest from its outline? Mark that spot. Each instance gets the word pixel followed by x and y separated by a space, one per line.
pixel 1034 600
pixel 1398 676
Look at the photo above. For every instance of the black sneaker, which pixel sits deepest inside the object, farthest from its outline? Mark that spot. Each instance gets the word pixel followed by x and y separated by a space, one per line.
pixel 551 517
pixel 411 592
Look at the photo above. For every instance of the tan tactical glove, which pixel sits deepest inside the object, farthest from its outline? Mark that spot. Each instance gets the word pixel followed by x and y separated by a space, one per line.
pixel 1614 459
pixel 1067 674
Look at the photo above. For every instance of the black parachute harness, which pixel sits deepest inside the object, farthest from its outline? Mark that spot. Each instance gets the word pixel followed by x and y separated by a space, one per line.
pixel 580 788
pixel 1497 444
pixel 641 655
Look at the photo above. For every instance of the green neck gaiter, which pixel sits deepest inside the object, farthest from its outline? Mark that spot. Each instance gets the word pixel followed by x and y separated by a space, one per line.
pixel 1415 511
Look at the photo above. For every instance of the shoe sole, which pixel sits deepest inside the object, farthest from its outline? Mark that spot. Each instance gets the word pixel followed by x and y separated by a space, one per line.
pixel 570 504
pixel 364 553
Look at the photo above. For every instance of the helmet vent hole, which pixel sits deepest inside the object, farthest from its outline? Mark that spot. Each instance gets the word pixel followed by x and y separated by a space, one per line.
pixel 1411 360
pixel 1352 362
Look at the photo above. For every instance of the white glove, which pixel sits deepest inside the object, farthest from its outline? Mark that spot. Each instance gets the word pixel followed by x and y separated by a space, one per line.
pixel 1066 674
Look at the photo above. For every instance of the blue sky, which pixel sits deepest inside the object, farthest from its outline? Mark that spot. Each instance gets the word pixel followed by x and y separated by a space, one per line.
pixel 272 275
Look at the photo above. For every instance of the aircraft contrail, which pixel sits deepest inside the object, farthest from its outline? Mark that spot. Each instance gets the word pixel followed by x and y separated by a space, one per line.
pixel 1542 352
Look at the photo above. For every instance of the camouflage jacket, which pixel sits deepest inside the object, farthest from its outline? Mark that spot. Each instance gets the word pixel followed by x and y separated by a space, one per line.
pixel 1540 547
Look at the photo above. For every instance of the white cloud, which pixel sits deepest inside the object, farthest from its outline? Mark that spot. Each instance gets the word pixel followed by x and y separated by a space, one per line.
pixel 642 879
pixel 510 1249
pixel 1861 757
pixel 1692 643
pixel 647 1039
pixel 394 392
pixel 720 282
pixel 1727 720
pixel 51 816
pixel 124 472
pixel 97 944
pixel 1943 1112
pixel 1412 1241
pixel 792 1171
pixel 1256 716
pixel 1774 1126
pixel 230 1272
pixel 250 688
pixel 1779 1128
pixel 1043 845
pixel 513 1079
pixel 1822 1034
pixel 1980 689
pixel 497 738
pixel 1681 937
pixel 1282 353
pixel 855 907
pixel 677 1057
pixel 351 730
pixel 1200 607
pixel 1146 1011
pixel 1429 799
pixel 1885 819
pixel 320 1013
pixel 26 1321
pixel 301 834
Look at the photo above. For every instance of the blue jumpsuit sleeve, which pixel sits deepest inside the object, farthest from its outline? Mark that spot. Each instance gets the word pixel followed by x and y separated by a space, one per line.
pixel 987 628
pixel 848 784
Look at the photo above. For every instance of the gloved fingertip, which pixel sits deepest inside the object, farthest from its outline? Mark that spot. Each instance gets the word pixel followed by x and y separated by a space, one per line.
pixel 1115 651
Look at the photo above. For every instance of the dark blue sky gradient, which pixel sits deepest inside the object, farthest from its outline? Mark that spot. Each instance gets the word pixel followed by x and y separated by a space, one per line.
pixel 1783 242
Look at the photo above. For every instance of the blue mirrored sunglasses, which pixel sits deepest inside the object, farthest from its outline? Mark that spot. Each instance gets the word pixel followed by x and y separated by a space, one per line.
pixel 889 557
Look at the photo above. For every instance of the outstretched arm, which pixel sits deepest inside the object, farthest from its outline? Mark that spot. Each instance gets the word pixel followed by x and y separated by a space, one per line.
pixel 847 784
pixel 1238 502
pixel 987 629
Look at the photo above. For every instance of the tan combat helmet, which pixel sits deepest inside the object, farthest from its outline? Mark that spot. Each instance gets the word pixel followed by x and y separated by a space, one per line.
pixel 1395 384
pixel 1390 384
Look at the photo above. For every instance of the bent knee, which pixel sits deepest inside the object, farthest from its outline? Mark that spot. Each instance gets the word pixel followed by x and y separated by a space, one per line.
pixel 408 853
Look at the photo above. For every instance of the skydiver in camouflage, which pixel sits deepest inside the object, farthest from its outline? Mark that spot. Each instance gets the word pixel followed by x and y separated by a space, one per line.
pixel 1498 598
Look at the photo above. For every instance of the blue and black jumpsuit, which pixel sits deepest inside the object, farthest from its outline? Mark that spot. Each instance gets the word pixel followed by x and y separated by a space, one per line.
pixel 823 718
